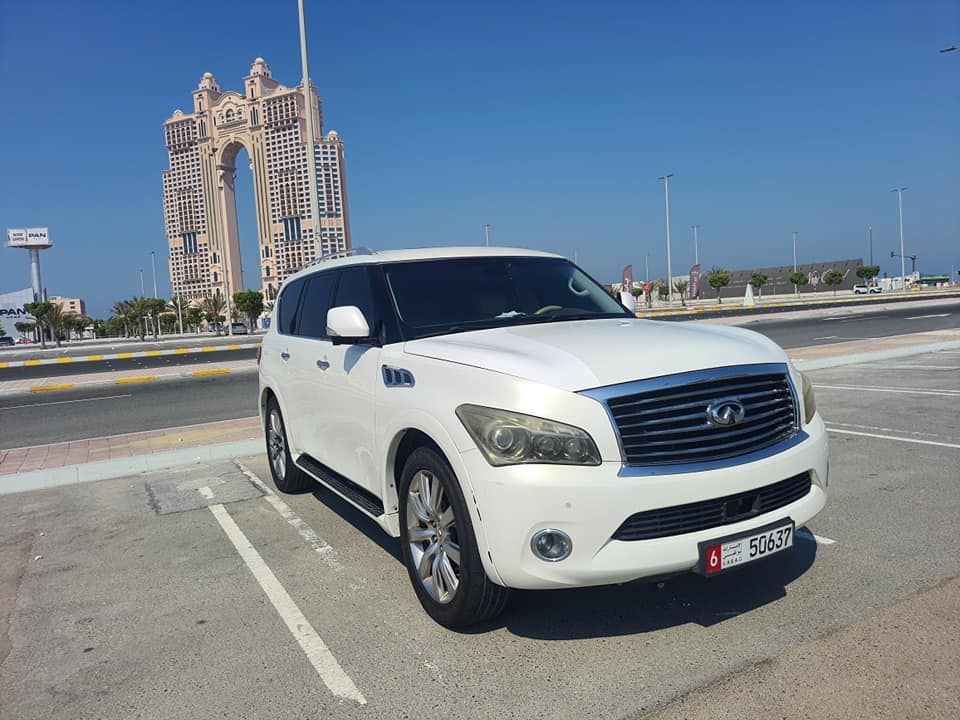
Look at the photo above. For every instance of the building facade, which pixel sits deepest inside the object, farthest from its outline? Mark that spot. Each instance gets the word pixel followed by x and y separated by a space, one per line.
pixel 267 120
pixel 73 305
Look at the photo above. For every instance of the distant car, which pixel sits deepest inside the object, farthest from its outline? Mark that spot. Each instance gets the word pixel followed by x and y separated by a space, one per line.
pixel 867 289
pixel 24 341
pixel 238 328
pixel 7 341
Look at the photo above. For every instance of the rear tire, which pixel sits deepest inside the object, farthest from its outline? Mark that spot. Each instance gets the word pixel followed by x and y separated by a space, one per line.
pixel 287 476
pixel 440 547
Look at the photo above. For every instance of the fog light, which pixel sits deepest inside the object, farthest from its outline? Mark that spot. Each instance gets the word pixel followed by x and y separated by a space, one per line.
pixel 551 545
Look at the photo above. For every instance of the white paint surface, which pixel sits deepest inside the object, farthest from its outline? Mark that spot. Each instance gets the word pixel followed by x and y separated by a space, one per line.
pixel 871 388
pixel 915 441
pixel 323 661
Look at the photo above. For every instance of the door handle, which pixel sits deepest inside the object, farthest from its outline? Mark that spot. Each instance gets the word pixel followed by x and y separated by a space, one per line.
pixel 285 356
pixel 323 364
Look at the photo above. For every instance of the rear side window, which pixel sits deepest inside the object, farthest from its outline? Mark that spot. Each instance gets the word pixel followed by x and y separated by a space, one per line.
pixel 289 301
pixel 314 305
pixel 355 289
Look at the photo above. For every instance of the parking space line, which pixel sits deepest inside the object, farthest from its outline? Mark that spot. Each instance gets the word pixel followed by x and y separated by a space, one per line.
pixel 805 534
pixel 831 423
pixel 317 652
pixel 916 441
pixel 64 402
pixel 869 388
pixel 321 547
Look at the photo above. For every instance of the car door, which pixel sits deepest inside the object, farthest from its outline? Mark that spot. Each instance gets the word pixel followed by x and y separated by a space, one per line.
pixel 308 394
pixel 347 429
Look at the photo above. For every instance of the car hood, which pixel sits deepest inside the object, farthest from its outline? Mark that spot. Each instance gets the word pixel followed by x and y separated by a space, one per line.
pixel 584 354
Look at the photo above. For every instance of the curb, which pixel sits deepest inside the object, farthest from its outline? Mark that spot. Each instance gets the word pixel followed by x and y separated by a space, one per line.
pixel 130 380
pixel 122 467
pixel 875 355
pixel 70 359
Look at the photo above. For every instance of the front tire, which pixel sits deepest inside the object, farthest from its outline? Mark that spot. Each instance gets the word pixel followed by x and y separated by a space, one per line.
pixel 287 476
pixel 440 547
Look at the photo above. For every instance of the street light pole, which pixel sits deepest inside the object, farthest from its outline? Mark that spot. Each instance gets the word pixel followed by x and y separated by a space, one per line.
pixel 870 229
pixel 903 267
pixel 796 290
pixel 311 138
pixel 646 263
pixel 486 234
pixel 696 245
pixel 666 200
pixel 153 264
pixel 142 291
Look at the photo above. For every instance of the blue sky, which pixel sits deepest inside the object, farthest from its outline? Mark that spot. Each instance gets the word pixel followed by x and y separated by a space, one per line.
pixel 549 120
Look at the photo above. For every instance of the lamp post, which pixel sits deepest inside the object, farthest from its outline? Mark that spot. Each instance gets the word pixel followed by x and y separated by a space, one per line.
pixel 903 267
pixel 486 234
pixel 870 231
pixel 666 200
pixel 796 290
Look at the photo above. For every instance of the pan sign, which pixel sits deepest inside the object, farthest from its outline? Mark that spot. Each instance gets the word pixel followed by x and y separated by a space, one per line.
pixel 29 238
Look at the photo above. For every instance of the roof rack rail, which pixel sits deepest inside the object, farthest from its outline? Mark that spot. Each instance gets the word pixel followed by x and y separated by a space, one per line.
pixel 341 254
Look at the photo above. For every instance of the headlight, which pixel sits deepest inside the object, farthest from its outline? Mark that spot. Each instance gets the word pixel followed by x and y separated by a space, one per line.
pixel 509 438
pixel 809 401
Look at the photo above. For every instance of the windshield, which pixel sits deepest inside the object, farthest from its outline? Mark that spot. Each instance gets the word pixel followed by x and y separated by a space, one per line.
pixel 435 297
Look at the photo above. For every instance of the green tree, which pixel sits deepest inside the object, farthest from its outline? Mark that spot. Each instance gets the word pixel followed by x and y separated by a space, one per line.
pixel 78 324
pixel 59 321
pixel 637 292
pixel 168 323
pixel 758 280
pixel 663 290
pixel 718 278
pixel 193 317
pixel 798 279
pixel 39 311
pixel 680 286
pixel 868 272
pixel 250 303
pixel 833 278
pixel 179 307
pixel 213 311
pixel 25 328
pixel 153 307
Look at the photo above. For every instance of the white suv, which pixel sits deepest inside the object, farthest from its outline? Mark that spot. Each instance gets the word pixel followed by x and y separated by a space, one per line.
pixel 518 428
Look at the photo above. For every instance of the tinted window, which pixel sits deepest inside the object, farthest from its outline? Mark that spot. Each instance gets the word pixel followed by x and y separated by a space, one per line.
pixel 439 296
pixel 355 289
pixel 289 299
pixel 314 305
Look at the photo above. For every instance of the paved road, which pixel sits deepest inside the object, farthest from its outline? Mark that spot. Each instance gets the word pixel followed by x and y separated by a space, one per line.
pixel 118 345
pixel 134 597
pixel 78 414
pixel 143 363
pixel 839 325
pixel 96 412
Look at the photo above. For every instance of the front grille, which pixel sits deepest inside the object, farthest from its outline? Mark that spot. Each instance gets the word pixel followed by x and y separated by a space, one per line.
pixel 666 420
pixel 707 514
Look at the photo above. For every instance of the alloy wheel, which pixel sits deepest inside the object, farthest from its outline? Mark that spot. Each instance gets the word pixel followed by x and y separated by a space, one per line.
pixel 276 444
pixel 433 538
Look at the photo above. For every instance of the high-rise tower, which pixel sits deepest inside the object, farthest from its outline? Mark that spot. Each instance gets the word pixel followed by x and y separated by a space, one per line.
pixel 268 120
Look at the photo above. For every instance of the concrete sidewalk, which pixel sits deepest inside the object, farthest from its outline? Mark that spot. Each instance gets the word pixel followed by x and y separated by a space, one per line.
pixel 125 377
pixel 901 663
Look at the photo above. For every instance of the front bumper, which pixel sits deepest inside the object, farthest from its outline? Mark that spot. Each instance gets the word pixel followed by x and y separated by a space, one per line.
pixel 590 503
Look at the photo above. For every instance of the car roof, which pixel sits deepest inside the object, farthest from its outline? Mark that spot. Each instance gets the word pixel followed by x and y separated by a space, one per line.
pixel 361 256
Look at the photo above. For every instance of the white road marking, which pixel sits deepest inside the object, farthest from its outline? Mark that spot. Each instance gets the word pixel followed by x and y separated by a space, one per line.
pixel 323 661
pixel 828 337
pixel 321 546
pixel 908 391
pixel 805 534
pixel 924 317
pixel 916 441
pixel 908 366
pixel 885 429
pixel 64 402
pixel 206 492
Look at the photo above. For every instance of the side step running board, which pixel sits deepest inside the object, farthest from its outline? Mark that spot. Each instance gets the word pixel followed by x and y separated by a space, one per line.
pixel 349 490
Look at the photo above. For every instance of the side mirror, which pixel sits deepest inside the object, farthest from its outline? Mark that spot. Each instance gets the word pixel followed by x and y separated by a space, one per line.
pixel 346 324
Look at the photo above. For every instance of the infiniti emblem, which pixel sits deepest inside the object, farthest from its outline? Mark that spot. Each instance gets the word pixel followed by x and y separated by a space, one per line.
pixel 725 412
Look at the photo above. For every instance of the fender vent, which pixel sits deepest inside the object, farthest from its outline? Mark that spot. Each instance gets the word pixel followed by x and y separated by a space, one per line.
pixel 397 377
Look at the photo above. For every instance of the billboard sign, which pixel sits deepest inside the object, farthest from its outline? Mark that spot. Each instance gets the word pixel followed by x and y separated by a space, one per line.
pixel 29 237
pixel 695 281
pixel 11 310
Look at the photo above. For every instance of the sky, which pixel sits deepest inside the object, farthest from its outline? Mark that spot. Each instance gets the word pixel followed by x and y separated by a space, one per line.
pixel 549 120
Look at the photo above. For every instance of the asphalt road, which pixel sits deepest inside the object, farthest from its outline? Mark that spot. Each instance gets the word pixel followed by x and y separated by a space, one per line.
pixel 86 413
pixel 144 596
pixel 846 324
pixel 117 345
pixel 111 410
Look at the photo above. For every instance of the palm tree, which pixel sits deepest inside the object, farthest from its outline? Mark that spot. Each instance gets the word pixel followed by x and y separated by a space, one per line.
pixel 213 309
pixel 121 309
pixel 680 287
pixel 58 320
pixel 179 308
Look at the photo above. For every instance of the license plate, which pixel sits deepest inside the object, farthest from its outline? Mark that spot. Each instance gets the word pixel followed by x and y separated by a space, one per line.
pixel 730 552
